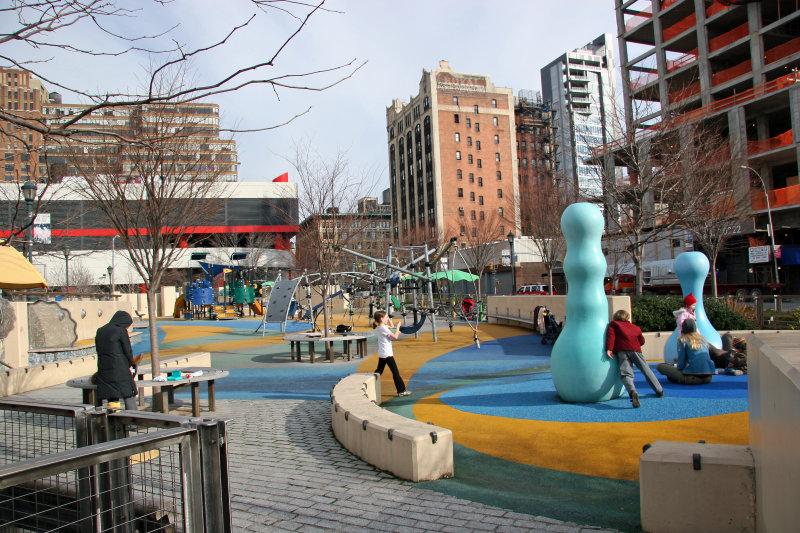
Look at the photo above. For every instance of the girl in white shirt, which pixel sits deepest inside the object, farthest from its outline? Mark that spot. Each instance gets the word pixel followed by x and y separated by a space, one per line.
pixel 383 323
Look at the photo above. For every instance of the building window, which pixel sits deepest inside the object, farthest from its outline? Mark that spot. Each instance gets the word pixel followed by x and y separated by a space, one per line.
pixel 494 102
pixel 476 108
pixel 461 211
pixel 500 212
pixel 458 155
pixel 503 232
pixel 459 174
pixel 469 141
pixel 497 156
pixel 460 192
pixel 477 126
pixel 471 177
pixel 471 196
pixel 458 137
pixel 480 181
pixel 455 100
pixel 496 139
pixel 480 200
pixel 472 215
pixel 483 215
pixel 495 121
pixel 477 145
pixel 462 230
pixel 474 232
pixel 480 164
pixel 499 193
pixel 469 122
pixel 499 176
pixel 469 159
pixel 455 118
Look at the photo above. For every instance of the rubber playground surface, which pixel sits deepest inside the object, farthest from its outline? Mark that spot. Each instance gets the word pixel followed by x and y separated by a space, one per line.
pixel 517 445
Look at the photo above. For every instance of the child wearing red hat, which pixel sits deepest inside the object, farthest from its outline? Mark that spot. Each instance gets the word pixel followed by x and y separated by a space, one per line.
pixel 687 311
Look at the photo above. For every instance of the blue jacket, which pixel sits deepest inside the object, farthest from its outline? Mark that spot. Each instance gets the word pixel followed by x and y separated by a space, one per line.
pixel 697 362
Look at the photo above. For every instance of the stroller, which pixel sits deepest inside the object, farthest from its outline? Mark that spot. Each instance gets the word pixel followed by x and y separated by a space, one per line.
pixel 552 328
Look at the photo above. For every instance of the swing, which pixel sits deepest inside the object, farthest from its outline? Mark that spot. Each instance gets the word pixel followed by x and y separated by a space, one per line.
pixel 413 329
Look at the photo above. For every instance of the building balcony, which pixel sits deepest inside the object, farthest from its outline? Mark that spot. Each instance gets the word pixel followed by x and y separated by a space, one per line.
pixel 679 27
pixel 729 37
pixel 716 7
pixel 773 143
pixel 731 73
pixel 785 197
pixel 684 93
pixel 781 51
pixel 680 62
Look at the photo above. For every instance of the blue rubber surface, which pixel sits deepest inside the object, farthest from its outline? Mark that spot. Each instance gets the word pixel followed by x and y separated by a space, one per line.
pixel 533 397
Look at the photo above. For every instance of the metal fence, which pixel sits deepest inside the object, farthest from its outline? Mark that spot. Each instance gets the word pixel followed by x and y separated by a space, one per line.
pixel 78 468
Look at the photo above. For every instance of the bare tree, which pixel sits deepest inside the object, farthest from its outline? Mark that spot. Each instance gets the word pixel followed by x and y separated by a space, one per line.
pixel 481 240
pixel 46 30
pixel 541 207
pixel 721 206
pixel 327 202
pixel 150 193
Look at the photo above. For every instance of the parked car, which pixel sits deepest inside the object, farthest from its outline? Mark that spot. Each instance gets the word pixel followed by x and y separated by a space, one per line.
pixel 536 288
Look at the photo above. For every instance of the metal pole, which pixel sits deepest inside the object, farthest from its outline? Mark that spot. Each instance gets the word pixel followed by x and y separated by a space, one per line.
pixel 430 294
pixel 513 271
pixel 113 254
pixel 66 263
pixel 388 285
pixel 771 228
pixel 30 231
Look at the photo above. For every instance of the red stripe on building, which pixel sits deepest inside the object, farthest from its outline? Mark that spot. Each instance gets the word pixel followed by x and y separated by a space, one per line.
pixel 108 232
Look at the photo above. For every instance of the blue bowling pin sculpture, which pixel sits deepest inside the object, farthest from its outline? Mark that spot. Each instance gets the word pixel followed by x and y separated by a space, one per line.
pixel 692 269
pixel 582 372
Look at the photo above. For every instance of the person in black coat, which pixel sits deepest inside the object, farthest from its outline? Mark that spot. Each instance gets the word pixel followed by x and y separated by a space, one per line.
pixel 115 364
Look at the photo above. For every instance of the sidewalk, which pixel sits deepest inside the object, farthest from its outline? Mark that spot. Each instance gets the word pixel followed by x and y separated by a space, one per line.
pixel 288 473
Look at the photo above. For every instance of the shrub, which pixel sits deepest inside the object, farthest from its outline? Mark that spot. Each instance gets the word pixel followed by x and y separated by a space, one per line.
pixel 656 313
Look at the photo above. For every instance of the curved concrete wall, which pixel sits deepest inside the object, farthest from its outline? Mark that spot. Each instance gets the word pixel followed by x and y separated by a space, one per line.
pixel 407 448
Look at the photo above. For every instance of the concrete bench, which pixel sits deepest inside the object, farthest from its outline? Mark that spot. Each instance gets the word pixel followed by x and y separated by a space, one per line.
pixel 409 449
pixel 687 486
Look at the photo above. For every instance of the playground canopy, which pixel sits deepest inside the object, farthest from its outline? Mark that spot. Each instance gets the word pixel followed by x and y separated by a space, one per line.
pixel 17 272
pixel 454 275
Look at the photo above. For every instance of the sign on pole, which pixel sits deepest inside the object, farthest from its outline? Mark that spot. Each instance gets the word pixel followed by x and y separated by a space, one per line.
pixel 759 254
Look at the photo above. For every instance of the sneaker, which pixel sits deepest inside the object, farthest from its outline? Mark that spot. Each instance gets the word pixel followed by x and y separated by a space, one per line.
pixel 660 394
pixel 635 399
pixel 405 393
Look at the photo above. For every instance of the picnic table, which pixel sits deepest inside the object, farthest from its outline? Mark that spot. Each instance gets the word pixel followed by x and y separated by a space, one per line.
pixel 297 339
pixel 166 397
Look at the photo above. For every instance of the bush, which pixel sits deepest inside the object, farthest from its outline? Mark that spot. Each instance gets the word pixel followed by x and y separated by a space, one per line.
pixel 656 313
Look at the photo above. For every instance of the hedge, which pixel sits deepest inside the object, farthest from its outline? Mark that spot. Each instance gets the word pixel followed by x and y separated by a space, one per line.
pixel 656 313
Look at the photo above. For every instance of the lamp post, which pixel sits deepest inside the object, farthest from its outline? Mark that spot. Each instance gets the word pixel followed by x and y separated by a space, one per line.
pixel 771 228
pixel 111 268
pixel 513 271
pixel 66 263
pixel 110 279
pixel 29 194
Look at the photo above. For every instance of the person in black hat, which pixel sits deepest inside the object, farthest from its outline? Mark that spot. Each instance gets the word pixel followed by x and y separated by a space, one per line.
pixel 694 366
pixel 115 364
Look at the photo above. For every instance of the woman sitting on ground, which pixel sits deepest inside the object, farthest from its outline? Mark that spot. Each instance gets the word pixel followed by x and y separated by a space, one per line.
pixel 695 366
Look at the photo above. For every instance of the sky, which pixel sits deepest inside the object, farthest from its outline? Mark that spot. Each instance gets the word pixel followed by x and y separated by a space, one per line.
pixel 510 40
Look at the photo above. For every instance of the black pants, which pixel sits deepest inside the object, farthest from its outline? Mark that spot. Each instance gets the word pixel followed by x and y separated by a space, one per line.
pixel 398 381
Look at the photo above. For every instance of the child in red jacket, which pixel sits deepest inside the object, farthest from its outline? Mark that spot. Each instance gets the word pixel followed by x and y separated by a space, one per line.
pixel 624 340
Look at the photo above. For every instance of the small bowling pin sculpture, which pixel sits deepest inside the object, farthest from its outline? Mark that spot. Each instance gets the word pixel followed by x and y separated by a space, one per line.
pixel 582 372
pixel 692 269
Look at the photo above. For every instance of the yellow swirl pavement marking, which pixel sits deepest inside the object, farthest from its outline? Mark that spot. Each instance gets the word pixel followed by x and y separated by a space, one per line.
pixel 179 333
pixel 411 353
pixel 608 450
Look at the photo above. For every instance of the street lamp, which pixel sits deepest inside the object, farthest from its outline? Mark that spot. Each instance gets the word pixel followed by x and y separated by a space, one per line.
pixel 66 262
pixel 110 270
pixel 29 194
pixel 771 228
pixel 513 272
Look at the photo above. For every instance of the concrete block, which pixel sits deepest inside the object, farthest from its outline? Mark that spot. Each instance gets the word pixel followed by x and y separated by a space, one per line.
pixel 676 496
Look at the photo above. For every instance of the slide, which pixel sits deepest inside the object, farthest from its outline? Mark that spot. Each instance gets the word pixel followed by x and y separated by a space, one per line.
pixel 256 308
pixel 178 306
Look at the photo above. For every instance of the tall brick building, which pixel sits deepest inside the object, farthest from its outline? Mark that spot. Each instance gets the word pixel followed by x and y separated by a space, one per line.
pixel 452 158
